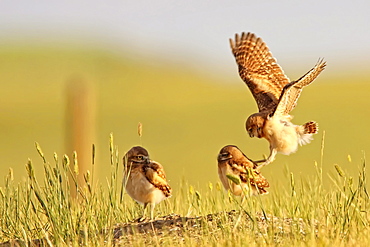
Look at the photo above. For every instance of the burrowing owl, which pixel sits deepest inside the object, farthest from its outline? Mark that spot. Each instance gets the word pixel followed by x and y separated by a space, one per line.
pixel 275 95
pixel 144 179
pixel 239 174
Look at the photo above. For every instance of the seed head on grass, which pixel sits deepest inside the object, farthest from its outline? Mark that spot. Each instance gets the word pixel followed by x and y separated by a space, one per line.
pixel 235 179
pixel 75 163
pixel 210 186
pixel 339 170
pixel 65 161
pixel 350 182
pixel 29 169
pixel 55 158
pixel 87 176
pixel 93 154
pixel 292 184
pixel 191 190
pixel 218 186
pixel 140 129
pixel 38 148
pixel 11 176
pixel 111 148
pixel 349 158
pixel 199 197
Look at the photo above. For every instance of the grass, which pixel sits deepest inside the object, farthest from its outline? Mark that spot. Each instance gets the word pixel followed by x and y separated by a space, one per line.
pixel 310 215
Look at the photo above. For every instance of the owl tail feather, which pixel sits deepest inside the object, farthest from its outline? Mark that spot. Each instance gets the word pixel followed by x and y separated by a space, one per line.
pixel 306 131
pixel 311 128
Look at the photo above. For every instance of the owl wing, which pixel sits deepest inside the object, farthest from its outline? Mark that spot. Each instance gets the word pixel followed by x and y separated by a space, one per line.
pixel 259 181
pixel 292 91
pixel 155 174
pixel 259 70
pixel 247 173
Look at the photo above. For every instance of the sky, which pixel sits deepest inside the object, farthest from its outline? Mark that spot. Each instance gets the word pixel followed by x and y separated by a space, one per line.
pixel 197 32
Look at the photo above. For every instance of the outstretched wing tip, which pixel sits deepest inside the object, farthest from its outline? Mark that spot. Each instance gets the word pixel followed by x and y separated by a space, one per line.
pixel 291 92
pixel 321 63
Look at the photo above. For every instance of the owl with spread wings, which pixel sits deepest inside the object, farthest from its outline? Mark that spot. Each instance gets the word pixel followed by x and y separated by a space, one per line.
pixel 275 95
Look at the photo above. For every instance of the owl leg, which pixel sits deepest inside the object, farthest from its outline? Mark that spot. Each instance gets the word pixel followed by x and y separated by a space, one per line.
pixel 143 216
pixel 152 205
pixel 259 161
pixel 270 159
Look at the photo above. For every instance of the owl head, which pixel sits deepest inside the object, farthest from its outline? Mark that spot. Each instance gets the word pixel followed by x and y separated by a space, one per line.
pixel 255 124
pixel 136 155
pixel 231 152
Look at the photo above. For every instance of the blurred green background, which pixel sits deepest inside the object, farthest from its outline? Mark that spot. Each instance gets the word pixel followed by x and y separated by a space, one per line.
pixel 187 116
pixel 187 95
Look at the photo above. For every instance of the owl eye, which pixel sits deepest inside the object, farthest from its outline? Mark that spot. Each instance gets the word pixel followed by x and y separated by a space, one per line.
pixel 224 156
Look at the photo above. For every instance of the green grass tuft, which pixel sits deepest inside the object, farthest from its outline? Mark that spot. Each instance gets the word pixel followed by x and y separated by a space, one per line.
pixel 302 214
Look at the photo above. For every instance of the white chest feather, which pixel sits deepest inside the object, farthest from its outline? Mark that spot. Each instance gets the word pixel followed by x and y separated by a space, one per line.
pixel 282 134
pixel 141 190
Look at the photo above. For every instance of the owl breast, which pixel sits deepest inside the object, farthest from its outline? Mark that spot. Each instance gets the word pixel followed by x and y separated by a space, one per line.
pixel 281 134
pixel 141 190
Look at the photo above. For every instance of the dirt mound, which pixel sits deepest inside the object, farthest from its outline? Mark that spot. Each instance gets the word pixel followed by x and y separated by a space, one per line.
pixel 177 226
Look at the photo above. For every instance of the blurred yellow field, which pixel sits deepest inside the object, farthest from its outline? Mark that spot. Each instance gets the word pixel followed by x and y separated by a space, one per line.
pixel 187 116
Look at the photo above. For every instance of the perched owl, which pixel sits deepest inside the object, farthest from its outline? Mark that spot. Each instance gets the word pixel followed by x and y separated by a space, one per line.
pixel 238 173
pixel 144 179
pixel 275 95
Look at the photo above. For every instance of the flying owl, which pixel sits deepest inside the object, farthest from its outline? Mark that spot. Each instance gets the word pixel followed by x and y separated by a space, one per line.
pixel 238 173
pixel 275 95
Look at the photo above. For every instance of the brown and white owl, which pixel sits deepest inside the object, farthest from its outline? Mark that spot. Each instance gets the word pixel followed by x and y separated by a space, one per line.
pixel 144 179
pixel 275 95
pixel 238 173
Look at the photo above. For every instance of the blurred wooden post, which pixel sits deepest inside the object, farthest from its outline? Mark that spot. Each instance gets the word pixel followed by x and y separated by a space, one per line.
pixel 80 127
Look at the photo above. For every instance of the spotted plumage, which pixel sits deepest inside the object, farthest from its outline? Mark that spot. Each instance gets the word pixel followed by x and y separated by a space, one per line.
pixel 144 179
pixel 275 95
pixel 238 173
